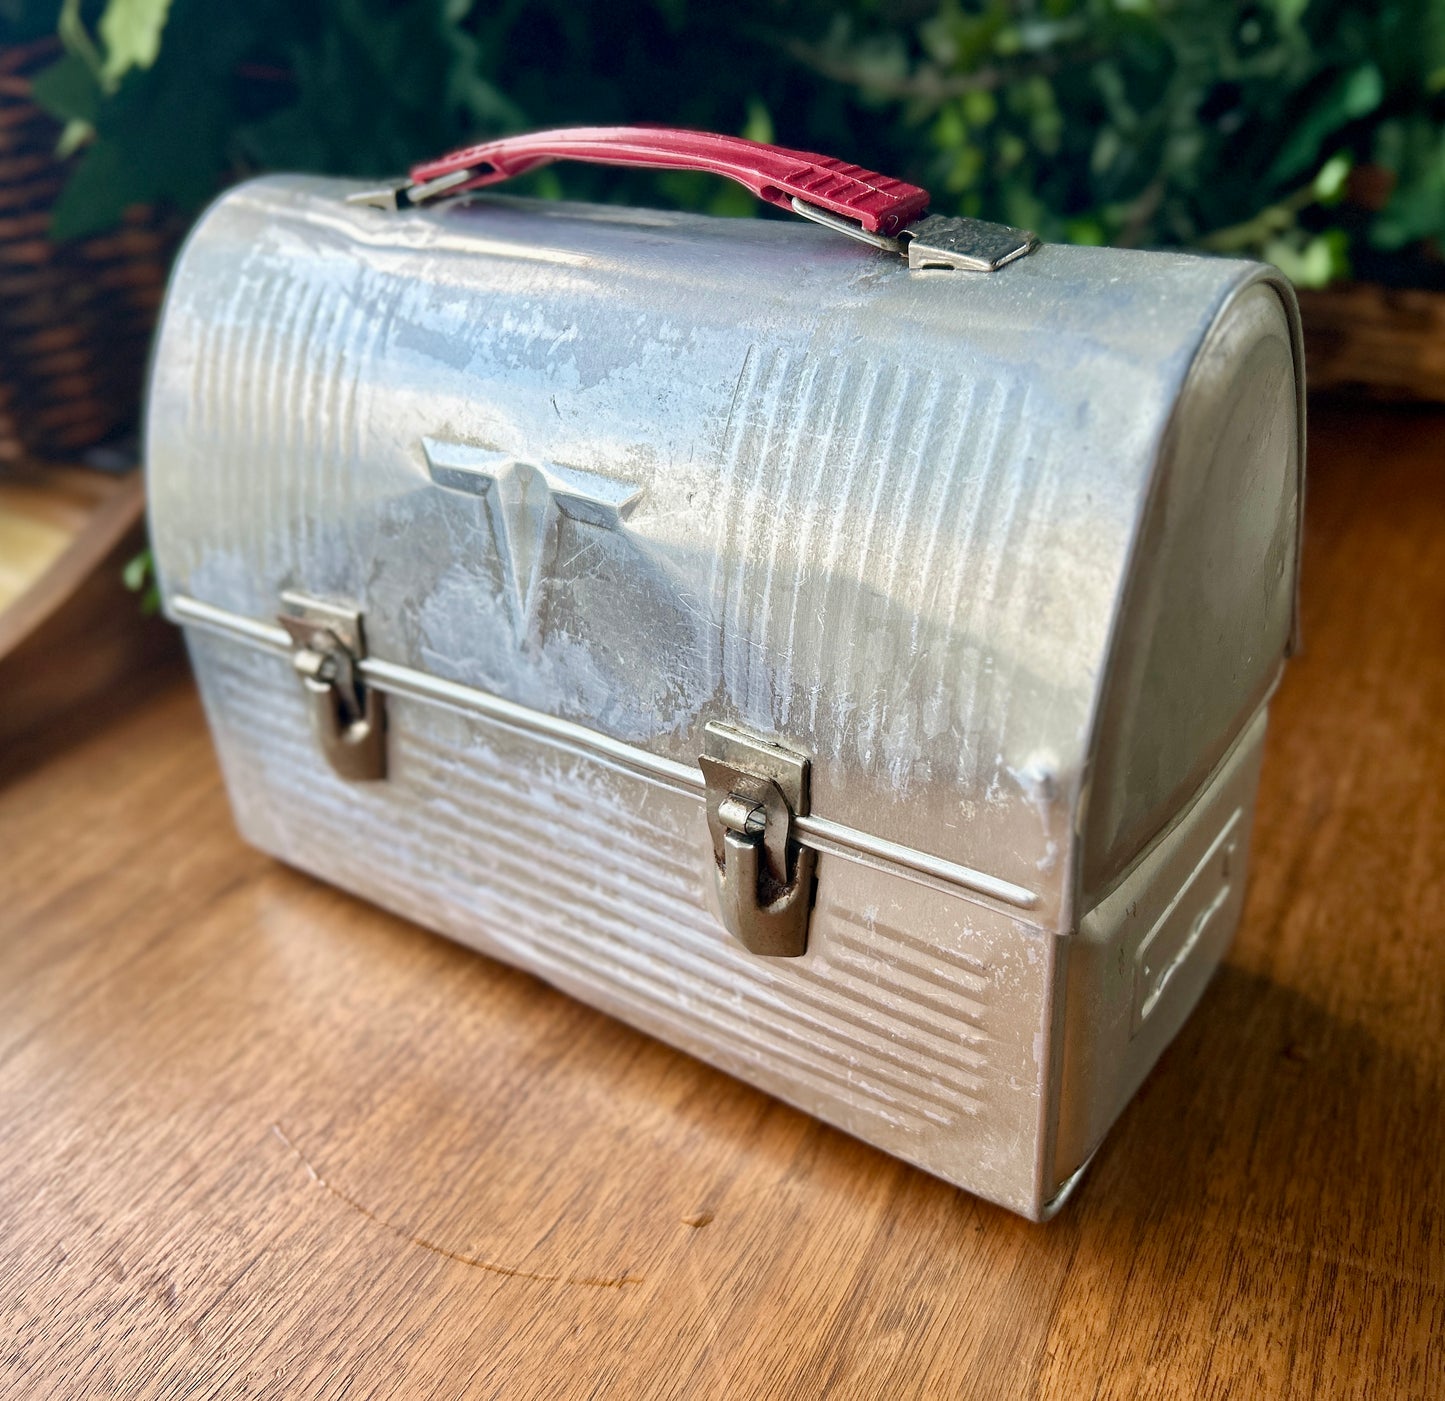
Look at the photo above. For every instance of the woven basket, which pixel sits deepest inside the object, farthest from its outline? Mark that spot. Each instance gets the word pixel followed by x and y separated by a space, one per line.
pixel 75 316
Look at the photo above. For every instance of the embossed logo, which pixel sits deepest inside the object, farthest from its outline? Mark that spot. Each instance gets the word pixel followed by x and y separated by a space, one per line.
pixel 525 500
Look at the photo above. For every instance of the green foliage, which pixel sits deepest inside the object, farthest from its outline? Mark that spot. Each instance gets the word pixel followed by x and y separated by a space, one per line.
pixel 139 576
pixel 1311 132
pixel 1219 125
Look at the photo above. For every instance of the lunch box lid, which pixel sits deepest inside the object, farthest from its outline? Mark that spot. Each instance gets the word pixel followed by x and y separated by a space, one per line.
pixel 1009 556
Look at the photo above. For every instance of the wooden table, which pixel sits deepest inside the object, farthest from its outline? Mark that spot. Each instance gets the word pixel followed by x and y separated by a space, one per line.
pixel 257 1138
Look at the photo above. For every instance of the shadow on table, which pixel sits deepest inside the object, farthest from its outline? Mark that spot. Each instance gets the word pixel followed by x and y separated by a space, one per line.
pixel 1277 1124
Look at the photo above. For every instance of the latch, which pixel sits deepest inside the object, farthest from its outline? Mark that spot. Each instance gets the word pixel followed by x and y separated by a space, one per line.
pixel 347 715
pixel 764 877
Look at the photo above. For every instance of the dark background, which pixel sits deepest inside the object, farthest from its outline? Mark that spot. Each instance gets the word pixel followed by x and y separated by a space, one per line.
pixel 1311 133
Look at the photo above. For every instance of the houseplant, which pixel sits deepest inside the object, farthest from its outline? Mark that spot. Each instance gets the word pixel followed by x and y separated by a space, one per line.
pixel 1307 132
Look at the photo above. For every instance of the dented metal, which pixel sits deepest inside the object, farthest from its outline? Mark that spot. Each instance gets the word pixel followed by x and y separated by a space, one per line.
pixel 1008 560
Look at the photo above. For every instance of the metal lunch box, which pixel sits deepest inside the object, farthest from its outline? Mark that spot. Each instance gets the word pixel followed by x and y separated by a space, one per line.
pixel 846 663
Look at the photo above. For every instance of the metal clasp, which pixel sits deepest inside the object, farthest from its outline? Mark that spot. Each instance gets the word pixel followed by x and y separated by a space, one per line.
pixel 763 876
pixel 937 241
pixel 403 194
pixel 347 715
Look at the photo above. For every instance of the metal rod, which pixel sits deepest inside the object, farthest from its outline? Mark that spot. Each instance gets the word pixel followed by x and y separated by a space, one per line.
pixel 822 835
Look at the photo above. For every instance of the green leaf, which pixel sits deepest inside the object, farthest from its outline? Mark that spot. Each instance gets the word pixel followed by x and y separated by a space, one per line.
pixel 1310 262
pixel 1290 12
pixel 67 89
pixel 759 125
pixel 1415 152
pixel 70 27
pixel 137 571
pixel 1416 211
pixel 1355 95
pixel 1086 231
pixel 105 184
pixel 1329 183
pixel 76 134
pixel 131 32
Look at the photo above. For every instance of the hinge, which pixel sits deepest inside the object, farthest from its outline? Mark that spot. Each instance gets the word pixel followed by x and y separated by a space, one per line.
pixel 937 241
pixel 763 875
pixel 347 715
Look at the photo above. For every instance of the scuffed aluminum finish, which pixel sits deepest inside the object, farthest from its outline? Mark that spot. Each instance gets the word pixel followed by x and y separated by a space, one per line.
pixel 911 1022
pixel 643 471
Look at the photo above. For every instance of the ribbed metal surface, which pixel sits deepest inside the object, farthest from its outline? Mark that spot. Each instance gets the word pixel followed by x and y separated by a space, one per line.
pixel 806 430
pixel 882 515
pixel 887 1031
pixel 640 472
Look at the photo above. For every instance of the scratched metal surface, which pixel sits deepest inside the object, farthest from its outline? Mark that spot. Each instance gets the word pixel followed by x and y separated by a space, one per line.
pixel 915 1020
pixel 720 469
pixel 642 471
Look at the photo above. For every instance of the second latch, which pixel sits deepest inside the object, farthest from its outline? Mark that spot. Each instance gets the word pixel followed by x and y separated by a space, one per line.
pixel 763 876
pixel 347 716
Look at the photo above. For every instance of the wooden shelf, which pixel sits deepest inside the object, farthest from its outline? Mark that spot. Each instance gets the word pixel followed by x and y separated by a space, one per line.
pixel 1388 342
pixel 56 526
pixel 70 632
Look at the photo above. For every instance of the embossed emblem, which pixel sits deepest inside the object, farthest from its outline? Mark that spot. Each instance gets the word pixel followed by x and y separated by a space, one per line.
pixel 525 500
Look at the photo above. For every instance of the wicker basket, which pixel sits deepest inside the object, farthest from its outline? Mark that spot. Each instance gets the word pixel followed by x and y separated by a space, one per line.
pixel 75 316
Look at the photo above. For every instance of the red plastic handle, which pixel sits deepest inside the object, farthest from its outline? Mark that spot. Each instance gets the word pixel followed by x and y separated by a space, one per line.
pixel 774 173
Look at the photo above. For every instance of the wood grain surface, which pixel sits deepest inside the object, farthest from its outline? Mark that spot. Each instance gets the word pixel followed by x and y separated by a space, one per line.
pixel 75 645
pixel 1388 342
pixel 259 1139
